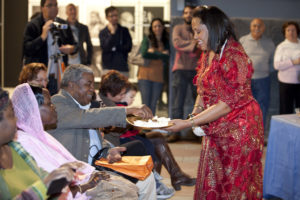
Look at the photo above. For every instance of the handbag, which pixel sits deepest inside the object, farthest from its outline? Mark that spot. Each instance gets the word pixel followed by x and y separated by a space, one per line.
pixel 135 57
pixel 138 167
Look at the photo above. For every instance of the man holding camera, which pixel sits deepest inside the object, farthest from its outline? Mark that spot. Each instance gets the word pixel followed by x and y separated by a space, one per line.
pixel 48 40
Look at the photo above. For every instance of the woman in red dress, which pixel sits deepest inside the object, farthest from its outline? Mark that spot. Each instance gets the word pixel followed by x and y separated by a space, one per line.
pixel 230 164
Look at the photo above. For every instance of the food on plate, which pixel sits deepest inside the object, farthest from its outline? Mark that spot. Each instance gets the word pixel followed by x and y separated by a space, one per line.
pixel 153 123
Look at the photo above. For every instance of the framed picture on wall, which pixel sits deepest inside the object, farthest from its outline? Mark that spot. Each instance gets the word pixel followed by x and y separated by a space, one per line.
pixel 96 22
pixel 126 19
pixel 150 13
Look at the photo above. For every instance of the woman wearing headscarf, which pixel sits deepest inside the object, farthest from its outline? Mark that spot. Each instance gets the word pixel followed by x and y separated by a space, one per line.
pixel 45 149
pixel 20 177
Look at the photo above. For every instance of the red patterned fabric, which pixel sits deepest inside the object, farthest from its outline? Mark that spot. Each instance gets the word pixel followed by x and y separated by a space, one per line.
pixel 230 166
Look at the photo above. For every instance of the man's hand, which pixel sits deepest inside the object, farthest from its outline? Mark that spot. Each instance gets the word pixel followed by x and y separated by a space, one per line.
pixel 114 154
pixel 67 48
pixel 46 29
pixel 141 111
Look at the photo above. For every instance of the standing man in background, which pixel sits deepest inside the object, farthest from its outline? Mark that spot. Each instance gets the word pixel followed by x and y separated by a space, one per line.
pixel 115 42
pixel 81 36
pixel 187 55
pixel 260 50
pixel 46 37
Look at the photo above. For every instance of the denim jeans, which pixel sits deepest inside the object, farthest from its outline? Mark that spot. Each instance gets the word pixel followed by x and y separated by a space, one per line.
pixel 150 92
pixel 261 92
pixel 182 81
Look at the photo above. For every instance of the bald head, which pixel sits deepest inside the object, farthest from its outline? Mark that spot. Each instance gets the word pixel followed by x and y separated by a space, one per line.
pixel 257 28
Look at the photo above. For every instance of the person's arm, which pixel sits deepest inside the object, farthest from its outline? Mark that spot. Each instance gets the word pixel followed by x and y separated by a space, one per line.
pixel 33 40
pixel 108 41
pixel 198 106
pixel 211 114
pixel 181 44
pixel 71 116
pixel 151 55
pixel 283 64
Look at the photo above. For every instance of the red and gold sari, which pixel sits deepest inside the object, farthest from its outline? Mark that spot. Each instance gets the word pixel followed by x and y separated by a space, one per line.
pixel 230 166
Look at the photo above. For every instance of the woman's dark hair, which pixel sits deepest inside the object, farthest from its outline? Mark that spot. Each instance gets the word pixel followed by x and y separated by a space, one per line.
pixel 38 93
pixel 4 101
pixel 113 82
pixel 286 24
pixel 152 38
pixel 218 25
pixel 30 72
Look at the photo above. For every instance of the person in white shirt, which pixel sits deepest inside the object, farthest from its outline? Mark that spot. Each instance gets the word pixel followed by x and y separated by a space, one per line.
pixel 287 62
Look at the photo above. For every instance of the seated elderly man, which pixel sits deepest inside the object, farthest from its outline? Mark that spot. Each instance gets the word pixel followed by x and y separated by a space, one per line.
pixel 77 126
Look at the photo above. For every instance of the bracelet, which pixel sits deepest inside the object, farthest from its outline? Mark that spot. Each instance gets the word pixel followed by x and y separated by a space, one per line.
pixel 198 106
pixel 79 189
pixel 193 123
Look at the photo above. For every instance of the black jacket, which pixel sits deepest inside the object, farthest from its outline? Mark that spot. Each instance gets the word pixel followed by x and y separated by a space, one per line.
pixel 35 49
pixel 115 48
pixel 84 37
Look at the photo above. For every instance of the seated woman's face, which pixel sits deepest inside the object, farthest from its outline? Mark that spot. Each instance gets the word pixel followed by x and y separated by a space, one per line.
pixel 8 125
pixel 40 80
pixel 47 110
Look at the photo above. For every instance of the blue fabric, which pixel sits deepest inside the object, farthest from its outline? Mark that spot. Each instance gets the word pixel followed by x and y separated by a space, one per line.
pixel 261 92
pixel 182 81
pixel 282 167
pixel 150 92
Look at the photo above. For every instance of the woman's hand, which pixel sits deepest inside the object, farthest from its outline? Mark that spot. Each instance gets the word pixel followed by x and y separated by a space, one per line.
pixel 66 172
pixel 95 178
pixel 178 125
pixel 151 50
pixel 296 61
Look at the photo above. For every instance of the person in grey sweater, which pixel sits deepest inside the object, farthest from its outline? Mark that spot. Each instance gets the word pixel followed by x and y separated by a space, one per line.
pixel 260 49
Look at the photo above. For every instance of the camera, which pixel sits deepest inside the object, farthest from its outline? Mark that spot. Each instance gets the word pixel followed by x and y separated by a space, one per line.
pixel 56 26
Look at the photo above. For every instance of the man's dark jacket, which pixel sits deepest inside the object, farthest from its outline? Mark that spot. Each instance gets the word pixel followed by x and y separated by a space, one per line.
pixel 35 49
pixel 84 36
pixel 115 48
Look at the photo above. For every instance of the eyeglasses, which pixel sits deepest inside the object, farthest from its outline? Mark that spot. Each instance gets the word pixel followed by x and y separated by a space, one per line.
pixel 51 5
pixel 113 15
